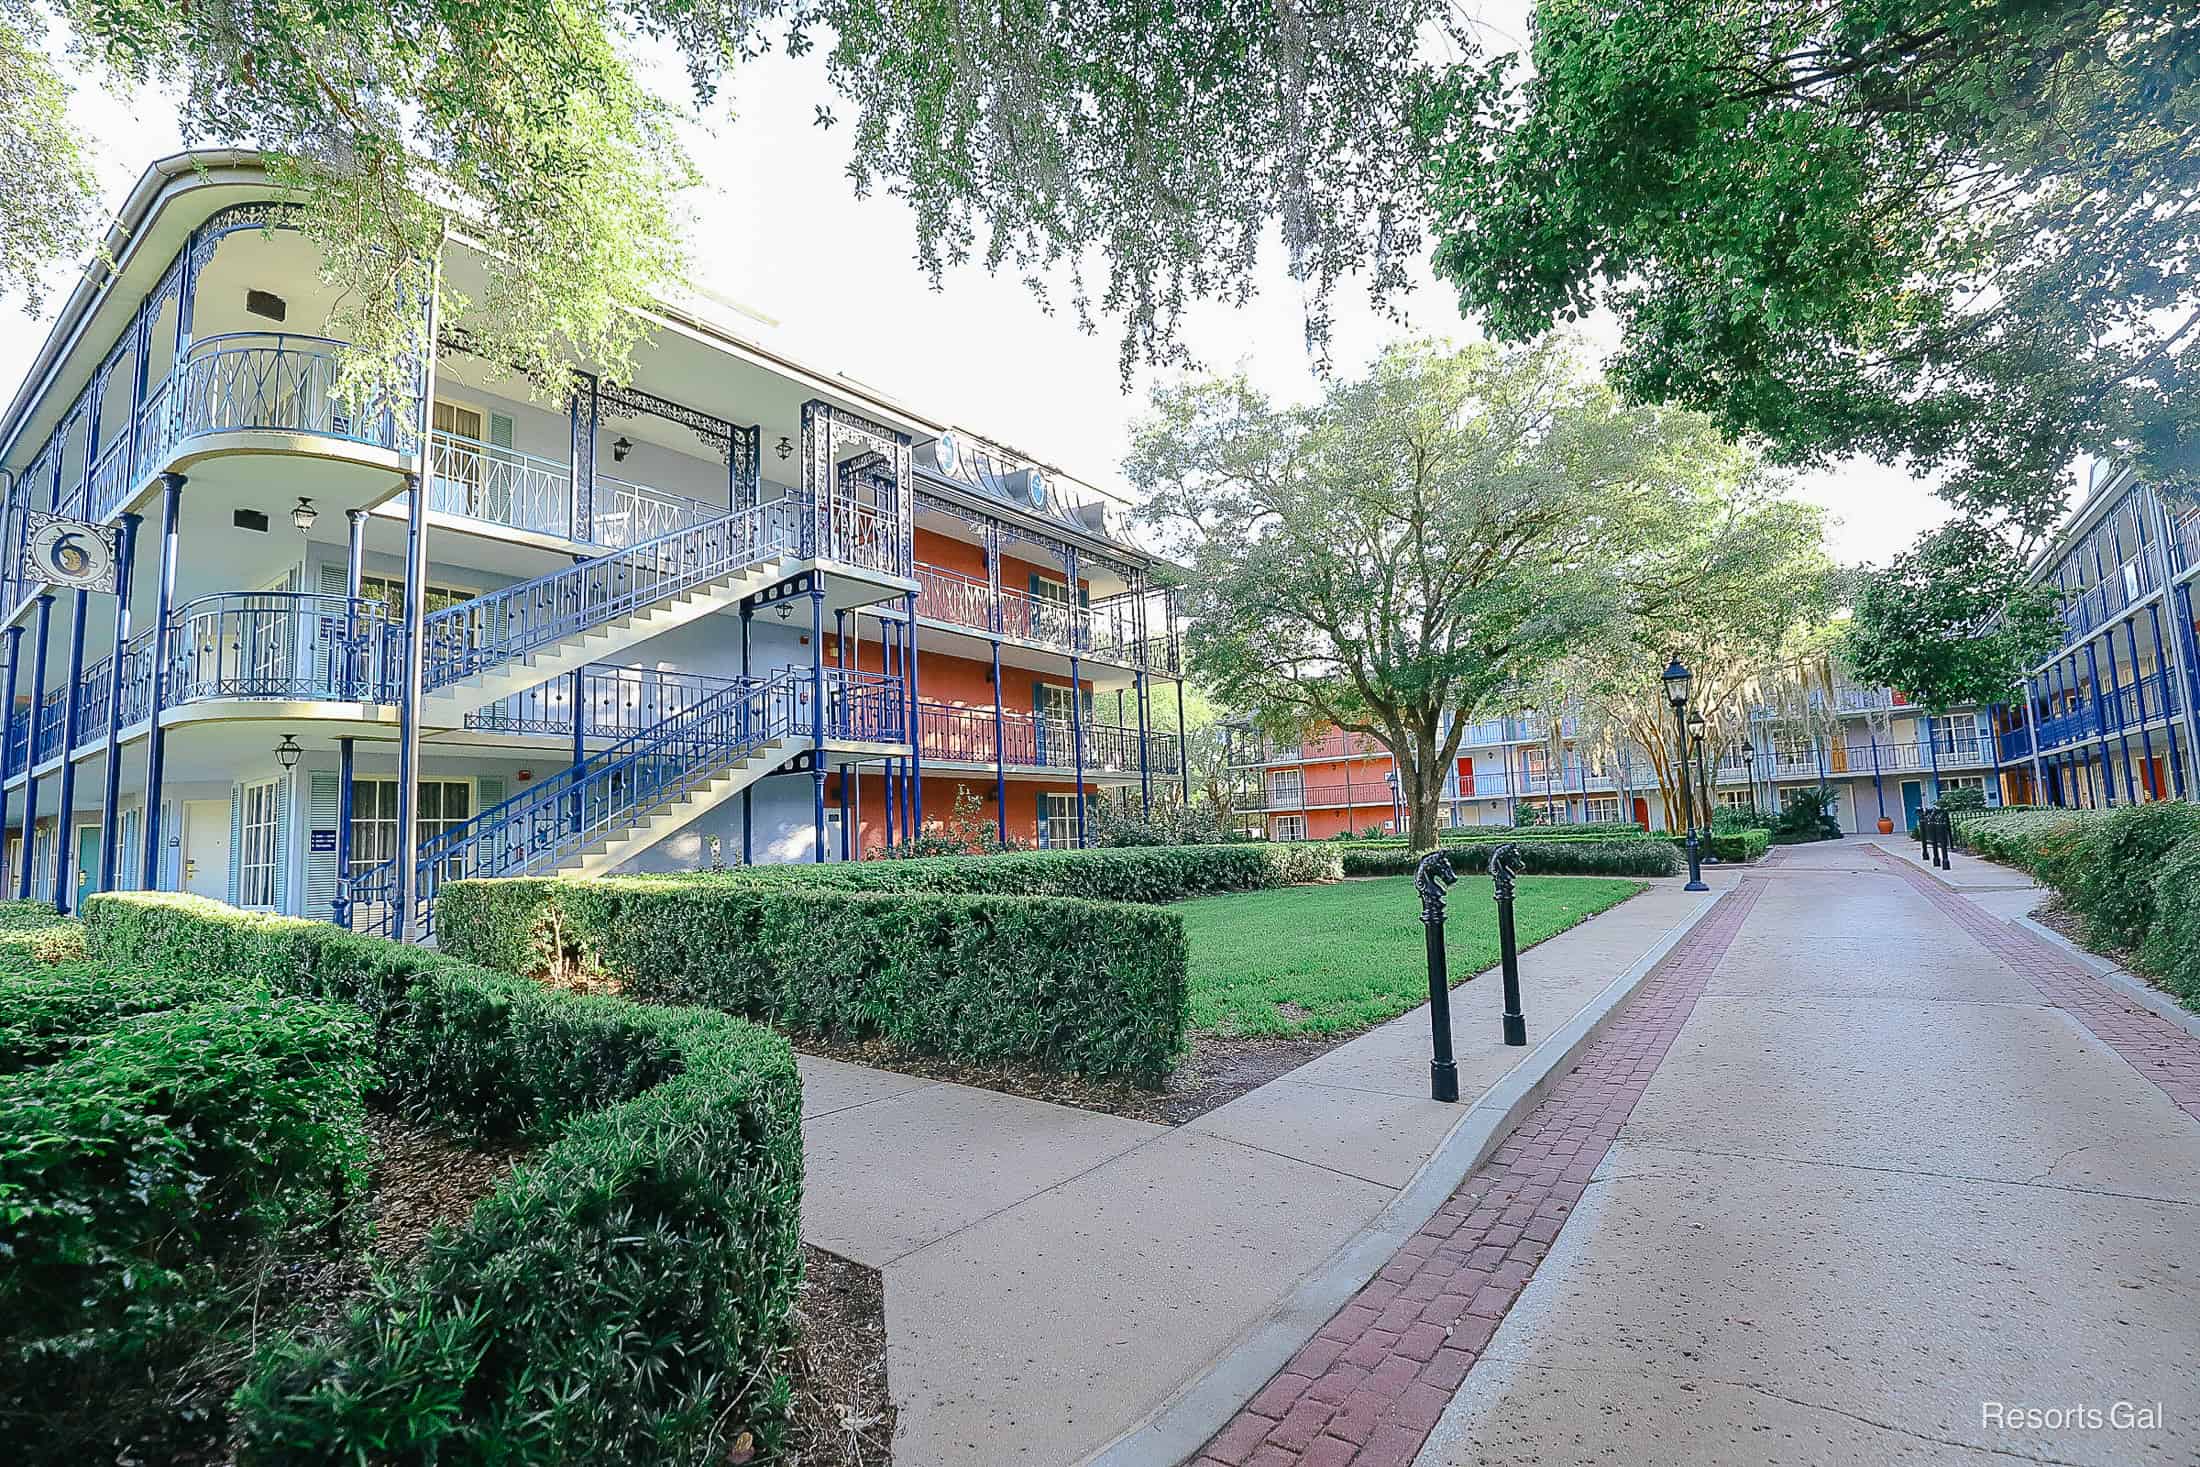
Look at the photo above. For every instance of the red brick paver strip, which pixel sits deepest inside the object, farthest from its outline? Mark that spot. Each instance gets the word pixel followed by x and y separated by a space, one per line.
pixel 2159 1050
pixel 1369 1387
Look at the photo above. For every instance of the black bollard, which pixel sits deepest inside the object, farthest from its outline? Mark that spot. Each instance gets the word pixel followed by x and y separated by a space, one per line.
pixel 1944 831
pixel 1925 836
pixel 1429 879
pixel 1504 866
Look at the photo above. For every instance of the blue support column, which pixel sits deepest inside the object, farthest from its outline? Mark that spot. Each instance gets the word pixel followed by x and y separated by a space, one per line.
pixel 585 410
pixel 817 706
pixel 408 711
pixel 2123 723
pixel 579 697
pixel 1932 748
pixel 1184 748
pixel 110 809
pixel 889 664
pixel 345 767
pixel 1077 734
pixel 2139 701
pixel 355 545
pixel 748 807
pixel 2100 723
pixel 30 753
pixel 1145 776
pixel 64 858
pixel 156 738
pixel 1879 788
pixel 916 725
pixel 7 721
pixel 2169 704
pixel 1000 751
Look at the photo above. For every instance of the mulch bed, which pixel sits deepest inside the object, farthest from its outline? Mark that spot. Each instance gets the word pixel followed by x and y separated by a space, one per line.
pixel 843 1416
pixel 1218 1070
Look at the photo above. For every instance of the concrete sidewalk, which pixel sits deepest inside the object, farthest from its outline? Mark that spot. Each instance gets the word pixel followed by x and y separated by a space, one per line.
pixel 1053 1276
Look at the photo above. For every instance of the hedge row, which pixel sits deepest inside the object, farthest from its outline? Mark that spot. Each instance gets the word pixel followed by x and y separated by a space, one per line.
pixel 1093 988
pixel 2132 875
pixel 33 934
pixel 1538 858
pixel 622 1298
pixel 1148 874
pixel 1728 845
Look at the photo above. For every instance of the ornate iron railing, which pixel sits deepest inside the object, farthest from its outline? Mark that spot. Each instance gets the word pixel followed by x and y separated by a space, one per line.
pixel 488 631
pixel 953 734
pixel 635 513
pixel 500 485
pixel 282 644
pixel 615 701
pixel 557 817
pixel 270 381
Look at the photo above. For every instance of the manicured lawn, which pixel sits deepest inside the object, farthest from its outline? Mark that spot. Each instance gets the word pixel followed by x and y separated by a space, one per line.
pixel 1330 959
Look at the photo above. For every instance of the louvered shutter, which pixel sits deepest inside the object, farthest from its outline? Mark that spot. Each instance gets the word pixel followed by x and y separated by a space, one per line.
pixel 500 430
pixel 236 840
pixel 281 854
pixel 323 789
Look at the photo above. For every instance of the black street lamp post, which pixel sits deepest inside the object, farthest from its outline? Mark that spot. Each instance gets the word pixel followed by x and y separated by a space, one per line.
pixel 1429 879
pixel 1703 785
pixel 1677 680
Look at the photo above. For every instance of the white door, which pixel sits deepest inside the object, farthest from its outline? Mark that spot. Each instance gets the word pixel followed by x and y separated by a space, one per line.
pixel 206 848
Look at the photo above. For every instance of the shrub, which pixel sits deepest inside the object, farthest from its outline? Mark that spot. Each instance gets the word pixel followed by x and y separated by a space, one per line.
pixel 33 934
pixel 1807 816
pixel 624 1298
pixel 1965 797
pixel 2170 951
pixel 47 1012
pixel 2107 872
pixel 1539 857
pixel 1731 819
pixel 1092 988
pixel 135 1166
pixel 2016 835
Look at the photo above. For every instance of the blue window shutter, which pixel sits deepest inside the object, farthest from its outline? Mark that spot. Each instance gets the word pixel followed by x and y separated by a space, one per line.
pixel 1039 830
pixel 333 577
pixel 500 431
pixel 322 790
pixel 236 840
pixel 488 790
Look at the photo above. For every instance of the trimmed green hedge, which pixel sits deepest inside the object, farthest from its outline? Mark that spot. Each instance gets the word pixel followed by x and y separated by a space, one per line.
pixel 622 1298
pixel 1092 988
pixel 2128 874
pixel 33 934
pixel 1538 857
pixel 1727 845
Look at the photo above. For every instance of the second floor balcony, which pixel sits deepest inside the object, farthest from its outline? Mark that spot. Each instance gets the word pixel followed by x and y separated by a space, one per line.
pixel 1110 629
pixel 956 734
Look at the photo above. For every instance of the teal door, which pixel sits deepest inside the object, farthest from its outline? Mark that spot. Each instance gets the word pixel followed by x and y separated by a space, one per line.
pixel 1913 803
pixel 87 864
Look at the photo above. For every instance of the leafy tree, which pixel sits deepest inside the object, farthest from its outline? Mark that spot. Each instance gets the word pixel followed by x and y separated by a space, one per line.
pixel 46 209
pixel 1732 577
pixel 1162 143
pixel 1422 538
pixel 1953 233
pixel 1955 620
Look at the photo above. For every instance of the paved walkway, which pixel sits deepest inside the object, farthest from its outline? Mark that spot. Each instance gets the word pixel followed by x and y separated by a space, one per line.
pixel 1054 1276
pixel 1863 1156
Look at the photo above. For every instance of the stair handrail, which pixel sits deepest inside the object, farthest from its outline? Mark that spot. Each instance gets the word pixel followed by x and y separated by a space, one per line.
pixel 622 782
pixel 497 626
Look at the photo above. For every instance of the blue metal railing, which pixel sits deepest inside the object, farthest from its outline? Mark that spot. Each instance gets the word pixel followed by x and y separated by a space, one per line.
pixel 615 702
pixel 282 644
pixel 490 630
pixel 559 817
pixel 269 381
pixel 953 734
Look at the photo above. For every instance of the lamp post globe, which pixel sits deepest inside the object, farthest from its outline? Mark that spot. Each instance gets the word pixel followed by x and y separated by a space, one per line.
pixel 1678 679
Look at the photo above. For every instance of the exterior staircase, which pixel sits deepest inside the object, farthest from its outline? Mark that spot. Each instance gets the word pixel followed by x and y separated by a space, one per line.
pixel 617 803
pixel 511 639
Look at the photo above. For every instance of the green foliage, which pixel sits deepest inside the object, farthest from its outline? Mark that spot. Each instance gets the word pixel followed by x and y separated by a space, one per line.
pixel 1333 959
pixel 624 1298
pixel 140 1162
pixel 1394 556
pixel 1556 856
pixel 1968 797
pixel 1953 621
pixel 1808 816
pixel 1730 819
pixel 2110 878
pixel 33 935
pixel 1087 987
pixel 1844 227
pixel 50 198
pixel 2170 950
pixel 1114 821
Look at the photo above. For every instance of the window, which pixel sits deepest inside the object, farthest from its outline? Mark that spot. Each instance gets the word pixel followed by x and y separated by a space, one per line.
pixel 1290 827
pixel 443 804
pixel 1737 799
pixel 1058 831
pixel 261 847
pixel 1286 785
pixel 1601 807
pixel 390 591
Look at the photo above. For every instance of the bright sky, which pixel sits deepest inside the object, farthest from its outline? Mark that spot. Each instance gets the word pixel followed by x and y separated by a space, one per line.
pixel 781 233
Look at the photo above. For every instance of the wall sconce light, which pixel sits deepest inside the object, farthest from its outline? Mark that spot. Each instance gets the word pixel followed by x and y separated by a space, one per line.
pixel 620 448
pixel 304 515
pixel 287 753
pixel 785 611
pixel 784 448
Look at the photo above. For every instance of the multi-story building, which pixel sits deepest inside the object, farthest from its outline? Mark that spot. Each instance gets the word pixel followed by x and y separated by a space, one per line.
pixel 604 625
pixel 1880 757
pixel 2108 717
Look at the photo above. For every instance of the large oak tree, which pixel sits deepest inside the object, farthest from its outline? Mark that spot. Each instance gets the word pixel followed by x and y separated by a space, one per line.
pixel 1404 554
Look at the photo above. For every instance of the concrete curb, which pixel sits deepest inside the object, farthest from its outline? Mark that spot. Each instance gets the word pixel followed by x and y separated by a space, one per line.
pixel 1182 1424
pixel 2125 982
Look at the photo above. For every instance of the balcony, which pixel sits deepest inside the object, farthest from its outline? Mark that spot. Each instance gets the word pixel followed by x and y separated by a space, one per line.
pixel 1104 630
pixel 262 382
pixel 953 734
pixel 525 491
